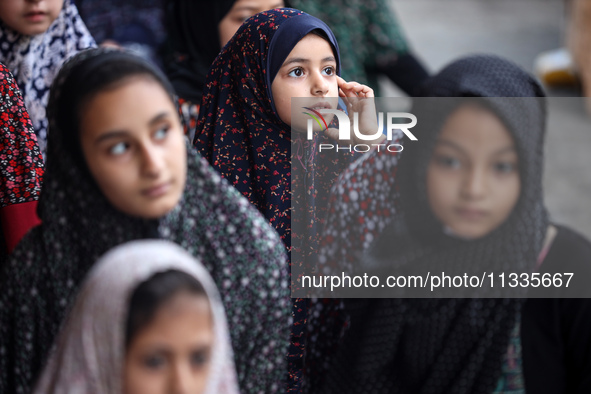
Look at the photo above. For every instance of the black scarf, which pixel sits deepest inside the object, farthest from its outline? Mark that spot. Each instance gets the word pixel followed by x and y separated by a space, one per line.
pixel 444 345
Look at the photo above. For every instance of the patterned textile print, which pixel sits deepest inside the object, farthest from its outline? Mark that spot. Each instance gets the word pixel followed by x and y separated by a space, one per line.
pixel 241 135
pixel 35 60
pixel 327 321
pixel 189 114
pixel 21 163
pixel 511 381
pixel 446 345
pixel 212 222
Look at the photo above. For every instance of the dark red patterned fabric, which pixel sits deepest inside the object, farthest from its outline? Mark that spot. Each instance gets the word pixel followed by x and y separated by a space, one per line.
pixel 21 163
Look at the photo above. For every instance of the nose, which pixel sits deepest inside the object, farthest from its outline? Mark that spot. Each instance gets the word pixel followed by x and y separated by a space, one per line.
pixel 152 160
pixel 319 85
pixel 474 184
pixel 181 379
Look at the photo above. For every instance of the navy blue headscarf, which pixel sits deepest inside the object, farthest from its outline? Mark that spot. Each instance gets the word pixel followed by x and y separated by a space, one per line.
pixel 242 136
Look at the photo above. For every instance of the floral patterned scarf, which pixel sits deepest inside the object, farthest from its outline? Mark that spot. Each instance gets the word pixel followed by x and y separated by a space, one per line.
pixel 212 222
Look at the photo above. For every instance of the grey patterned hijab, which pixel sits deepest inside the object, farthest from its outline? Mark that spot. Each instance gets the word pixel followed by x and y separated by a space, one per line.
pixel 438 345
pixel 212 222
pixel 90 352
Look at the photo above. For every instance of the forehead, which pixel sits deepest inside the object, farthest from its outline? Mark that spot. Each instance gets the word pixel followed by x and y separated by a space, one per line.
pixel 190 309
pixel 312 46
pixel 475 126
pixel 257 5
pixel 133 101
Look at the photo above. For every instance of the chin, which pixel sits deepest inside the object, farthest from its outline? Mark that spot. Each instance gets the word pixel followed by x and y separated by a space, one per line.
pixel 469 233
pixel 154 211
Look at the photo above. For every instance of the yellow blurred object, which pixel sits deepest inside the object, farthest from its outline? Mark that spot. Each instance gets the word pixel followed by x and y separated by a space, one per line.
pixel 556 68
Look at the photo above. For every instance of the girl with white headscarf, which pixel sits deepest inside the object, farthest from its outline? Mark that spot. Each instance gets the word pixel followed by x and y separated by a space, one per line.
pixel 93 349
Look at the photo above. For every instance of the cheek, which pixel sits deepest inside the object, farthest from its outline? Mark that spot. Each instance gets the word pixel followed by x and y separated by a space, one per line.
pixel 178 159
pixel 138 380
pixel 226 29
pixel 441 186
pixel 334 90
pixel 56 8
pixel 508 196
pixel 8 12
pixel 282 102
pixel 113 179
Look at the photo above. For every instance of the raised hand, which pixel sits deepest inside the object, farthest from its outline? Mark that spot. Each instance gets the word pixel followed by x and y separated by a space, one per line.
pixel 359 99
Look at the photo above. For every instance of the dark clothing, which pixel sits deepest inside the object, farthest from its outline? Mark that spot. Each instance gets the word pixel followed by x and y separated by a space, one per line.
pixel 440 345
pixel 556 332
pixel 193 43
pixel 212 221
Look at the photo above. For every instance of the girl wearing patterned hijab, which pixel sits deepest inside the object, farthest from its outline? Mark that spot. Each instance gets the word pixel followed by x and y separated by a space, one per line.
pixel 467 194
pixel 109 343
pixel 21 166
pixel 117 164
pixel 36 38
pixel 245 127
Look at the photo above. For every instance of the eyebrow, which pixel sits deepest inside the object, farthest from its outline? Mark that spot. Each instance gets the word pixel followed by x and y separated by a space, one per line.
pixel 122 133
pixel 305 60
pixel 461 150
pixel 255 8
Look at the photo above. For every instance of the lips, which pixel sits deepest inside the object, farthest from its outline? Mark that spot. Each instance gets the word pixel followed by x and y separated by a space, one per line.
pixel 471 214
pixel 35 16
pixel 322 105
pixel 157 190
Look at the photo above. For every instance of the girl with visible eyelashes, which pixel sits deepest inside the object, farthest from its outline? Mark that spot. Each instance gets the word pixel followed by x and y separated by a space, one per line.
pixel 36 38
pixel 118 170
pixel 246 121
pixel 467 196
pixel 148 320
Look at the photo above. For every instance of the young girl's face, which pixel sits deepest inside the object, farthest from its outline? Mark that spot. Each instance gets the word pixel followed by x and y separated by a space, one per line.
pixel 310 70
pixel 473 177
pixel 242 10
pixel 172 354
pixel 134 147
pixel 30 17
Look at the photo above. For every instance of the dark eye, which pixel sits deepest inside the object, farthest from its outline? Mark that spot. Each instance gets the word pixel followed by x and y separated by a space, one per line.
pixel 296 72
pixel 199 358
pixel 153 362
pixel 329 70
pixel 504 167
pixel 447 162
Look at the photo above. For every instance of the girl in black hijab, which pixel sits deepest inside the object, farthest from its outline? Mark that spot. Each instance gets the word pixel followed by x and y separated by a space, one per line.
pixel 119 170
pixel 197 31
pixel 468 194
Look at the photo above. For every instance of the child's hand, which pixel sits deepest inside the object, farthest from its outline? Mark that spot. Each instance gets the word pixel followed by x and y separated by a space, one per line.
pixel 359 99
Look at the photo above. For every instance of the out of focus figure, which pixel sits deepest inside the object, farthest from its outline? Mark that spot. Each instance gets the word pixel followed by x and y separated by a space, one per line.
pixel 135 25
pixel 374 41
pixel 149 320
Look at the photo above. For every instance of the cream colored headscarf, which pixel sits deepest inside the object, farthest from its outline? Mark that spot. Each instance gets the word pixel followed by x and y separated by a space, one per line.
pixel 90 351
